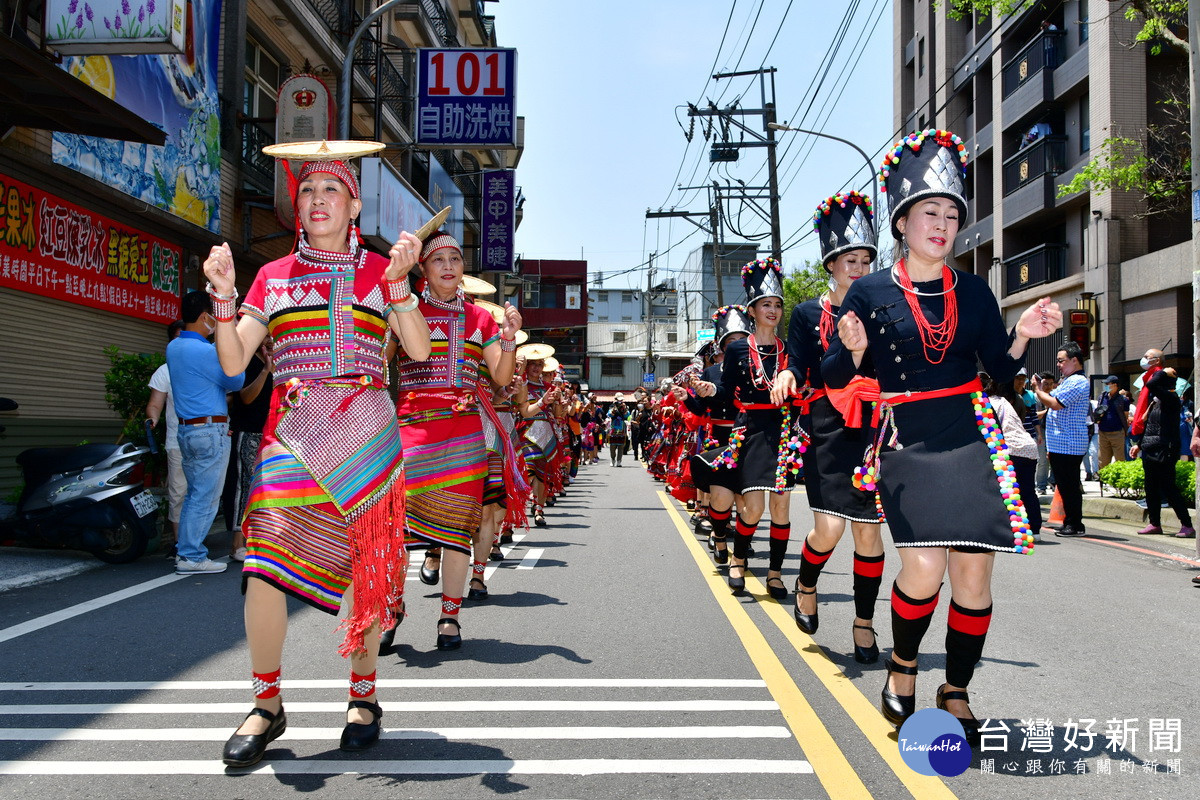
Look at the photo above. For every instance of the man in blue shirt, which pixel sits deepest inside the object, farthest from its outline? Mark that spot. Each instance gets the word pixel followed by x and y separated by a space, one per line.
pixel 1066 433
pixel 1112 413
pixel 199 385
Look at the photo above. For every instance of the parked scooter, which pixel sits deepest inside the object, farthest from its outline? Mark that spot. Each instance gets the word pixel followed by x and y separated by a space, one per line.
pixel 90 497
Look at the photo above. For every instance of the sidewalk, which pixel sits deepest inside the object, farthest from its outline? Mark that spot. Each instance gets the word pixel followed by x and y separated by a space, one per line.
pixel 1115 515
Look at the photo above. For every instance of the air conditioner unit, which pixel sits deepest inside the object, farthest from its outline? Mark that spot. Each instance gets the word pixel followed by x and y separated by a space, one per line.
pixel 671 312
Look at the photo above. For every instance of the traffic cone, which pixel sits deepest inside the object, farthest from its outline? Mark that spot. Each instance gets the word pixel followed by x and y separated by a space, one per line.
pixel 1058 514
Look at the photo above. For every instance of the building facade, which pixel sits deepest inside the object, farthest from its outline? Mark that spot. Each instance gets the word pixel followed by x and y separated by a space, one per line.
pixel 619 336
pixel 118 181
pixel 700 290
pixel 1036 95
pixel 552 297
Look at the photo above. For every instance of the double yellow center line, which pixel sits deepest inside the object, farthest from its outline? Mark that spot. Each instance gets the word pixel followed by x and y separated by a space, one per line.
pixel 828 761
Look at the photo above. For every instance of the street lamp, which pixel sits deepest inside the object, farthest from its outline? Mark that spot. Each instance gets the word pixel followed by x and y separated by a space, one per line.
pixel 866 158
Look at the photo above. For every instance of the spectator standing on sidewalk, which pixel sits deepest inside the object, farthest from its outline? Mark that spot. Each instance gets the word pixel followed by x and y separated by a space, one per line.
pixel 163 404
pixel 1044 478
pixel 1112 419
pixel 1156 439
pixel 1066 433
pixel 199 385
pixel 247 417
pixel 1091 458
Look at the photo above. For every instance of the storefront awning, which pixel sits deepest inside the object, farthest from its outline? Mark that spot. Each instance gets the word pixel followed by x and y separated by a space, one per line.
pixel 36 93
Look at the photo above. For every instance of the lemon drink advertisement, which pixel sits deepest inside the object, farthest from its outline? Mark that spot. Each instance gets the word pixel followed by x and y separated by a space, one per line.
pixel 177 93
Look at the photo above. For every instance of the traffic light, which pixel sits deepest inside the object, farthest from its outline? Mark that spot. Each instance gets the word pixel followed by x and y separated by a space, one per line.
pixel 1079 328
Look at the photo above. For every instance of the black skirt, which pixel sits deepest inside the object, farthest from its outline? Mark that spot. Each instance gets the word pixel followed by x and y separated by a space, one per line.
pixel 701 470
pixel 940 489
pixel 756 458
pixel 833 453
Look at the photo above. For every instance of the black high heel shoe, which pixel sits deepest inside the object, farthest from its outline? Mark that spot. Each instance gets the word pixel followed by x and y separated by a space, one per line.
pixel 430 577
pixel 387 639
pixel 247 749
pixel 449 641
pixel 897 707
pixel 361 735
pixel 805 622
pixel 778 592
pixel 477 594
pixel 720 555
pixel 870 653
pixel 737 585
pixel 971 725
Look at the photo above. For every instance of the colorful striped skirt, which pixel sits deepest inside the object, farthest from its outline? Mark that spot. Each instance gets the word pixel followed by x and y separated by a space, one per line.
pixel 446 465
pixel 327 499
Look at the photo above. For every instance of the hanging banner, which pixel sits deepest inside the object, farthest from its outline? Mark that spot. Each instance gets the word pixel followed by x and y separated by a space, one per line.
pixel 303 113
pixel 54 248
pixel 498 220
pixel 466 98
pixel 116 27
pixel 176 93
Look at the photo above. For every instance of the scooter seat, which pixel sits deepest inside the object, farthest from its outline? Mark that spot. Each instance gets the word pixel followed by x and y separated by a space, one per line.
pixel 40 463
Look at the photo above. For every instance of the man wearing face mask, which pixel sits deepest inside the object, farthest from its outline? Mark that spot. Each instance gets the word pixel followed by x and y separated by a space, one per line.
pixel 199 385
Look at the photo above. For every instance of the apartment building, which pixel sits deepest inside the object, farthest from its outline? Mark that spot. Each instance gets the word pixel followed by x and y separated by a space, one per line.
pixel 1036 95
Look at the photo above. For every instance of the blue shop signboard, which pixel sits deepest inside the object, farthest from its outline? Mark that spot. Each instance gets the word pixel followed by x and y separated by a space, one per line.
pixel 466 97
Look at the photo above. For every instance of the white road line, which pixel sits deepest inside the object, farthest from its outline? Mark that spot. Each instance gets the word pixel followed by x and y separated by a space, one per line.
pixel 580 766
pixel 531 558
pixel 507 550
pixel 48 575
pixel 393 683
pixel 473 706
pixel 435 734
pixel 46 620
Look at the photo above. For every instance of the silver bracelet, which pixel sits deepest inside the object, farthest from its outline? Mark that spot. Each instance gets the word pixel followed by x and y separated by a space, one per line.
pixel 508 345
pixel 208 287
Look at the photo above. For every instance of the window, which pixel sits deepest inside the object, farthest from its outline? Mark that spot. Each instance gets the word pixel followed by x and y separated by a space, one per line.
pixel 672 337
pixel 531 296
pixel 921 57
pixel 601 297
pixel 260 85
pixel 618 337
pixel 1085 124
pixel 626 297
pixel 612 367
pixel 1083 21
pixel 674 365
pixel 626 318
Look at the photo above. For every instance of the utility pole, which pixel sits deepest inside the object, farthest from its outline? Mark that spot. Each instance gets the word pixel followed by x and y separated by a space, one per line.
pixel 649 322
pixel 714 212
pixel 728 117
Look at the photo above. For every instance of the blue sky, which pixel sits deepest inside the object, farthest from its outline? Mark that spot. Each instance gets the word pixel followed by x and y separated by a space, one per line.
pixel 603 89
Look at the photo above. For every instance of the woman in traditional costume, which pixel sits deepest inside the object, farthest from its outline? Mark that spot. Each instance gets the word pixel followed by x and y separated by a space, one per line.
pixel 846 232
pixel 764 454
pixel 730 324
pixel 921 327
pixel 446 463
pixel 539 442
pixel 325 513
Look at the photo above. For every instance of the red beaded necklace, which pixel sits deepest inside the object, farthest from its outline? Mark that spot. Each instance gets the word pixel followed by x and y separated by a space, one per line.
pixel 758 373
pixel 935 339
pixel 827 325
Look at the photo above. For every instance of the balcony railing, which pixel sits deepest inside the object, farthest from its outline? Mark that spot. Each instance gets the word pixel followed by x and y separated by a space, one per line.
pixel 1042 264
pixel 441 24
pixel 1046 156
pixel 338 15
pixel 1044 52
pixel 258 169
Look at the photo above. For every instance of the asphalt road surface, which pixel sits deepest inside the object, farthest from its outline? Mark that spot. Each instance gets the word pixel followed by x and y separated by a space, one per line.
pixel 611 661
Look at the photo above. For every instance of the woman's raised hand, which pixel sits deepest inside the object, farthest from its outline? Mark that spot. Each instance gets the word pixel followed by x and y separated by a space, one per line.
pixel 218 269
pixel 404 255
pixel 852 333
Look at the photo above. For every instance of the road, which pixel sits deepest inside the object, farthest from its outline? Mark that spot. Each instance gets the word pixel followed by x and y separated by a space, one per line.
pixel 611 660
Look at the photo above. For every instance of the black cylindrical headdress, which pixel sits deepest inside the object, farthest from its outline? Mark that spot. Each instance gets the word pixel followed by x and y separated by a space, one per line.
pixel 930 163
pixel 728 320
pixel 843 223
pixel 762 278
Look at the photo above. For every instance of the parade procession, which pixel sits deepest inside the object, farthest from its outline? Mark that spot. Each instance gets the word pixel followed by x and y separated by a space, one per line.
pixel 375 427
